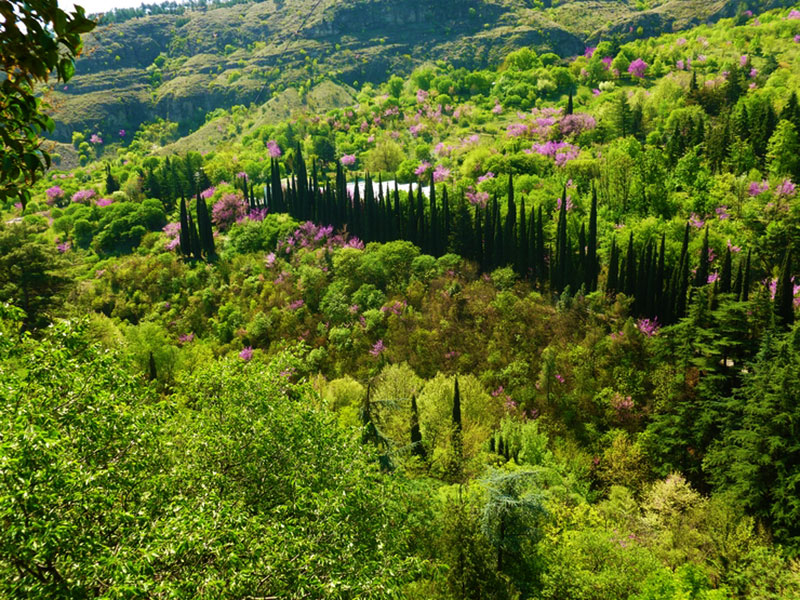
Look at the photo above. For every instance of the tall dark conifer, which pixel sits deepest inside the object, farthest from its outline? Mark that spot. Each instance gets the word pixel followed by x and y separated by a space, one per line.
pixel 701 275
pixel 784 293
pixel 592 265
pixel 186 245
pixel 417 449
pixel 725 275
pixel 612 282
pixel 204 229
pixel 746 279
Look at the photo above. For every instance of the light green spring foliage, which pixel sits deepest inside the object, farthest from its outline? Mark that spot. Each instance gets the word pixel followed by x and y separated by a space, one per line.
pixel 236 486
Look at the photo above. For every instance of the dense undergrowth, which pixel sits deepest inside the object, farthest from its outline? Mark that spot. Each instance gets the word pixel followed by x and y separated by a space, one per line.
pixel 566 365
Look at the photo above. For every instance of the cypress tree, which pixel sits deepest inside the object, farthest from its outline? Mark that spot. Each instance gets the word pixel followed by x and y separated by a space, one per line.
pixel 152 375
pixel 456 467
pixel 540 252
pixel 204 229
pixel 509 230
pixel 194 239
pixel 417 449
pixel 592 266
pixel 498 260
pixel 701 276
pixel 784 293
pixel 630 270
pixel 422 230
pixel 111 183
pixel 397 218
pixel 569 104
pixel 725 275
pixel 658 288
pixel 561 268
pixel 613 270
pixel 737 285
pixel 579 278
pixel 531 249
pixel 746 279
pixel 522 248
pixel 446 222
pixel 186 245
pixel 435 237
pixel 457 407
pixel 411 224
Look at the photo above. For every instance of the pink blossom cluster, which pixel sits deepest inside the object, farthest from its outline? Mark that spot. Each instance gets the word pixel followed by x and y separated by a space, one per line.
pixel 273 149
pixel 786 188
pixel 440 173
pixel 577 123
pixel 83 196
pixel 396 308
pixel 104 202
pixel 173 233
pixel 561 152
pixel 228 210
pixel 53 194
pixel 348 160
pixel 207 193
pixel 476 198
pixel 648 327
pixel 378 348
pixel 309 235
pixel 757 188
pixel 638 67
pixel 423 168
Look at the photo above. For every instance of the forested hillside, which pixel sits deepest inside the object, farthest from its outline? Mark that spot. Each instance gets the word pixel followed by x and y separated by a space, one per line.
pixel 179 63
pixel 514 330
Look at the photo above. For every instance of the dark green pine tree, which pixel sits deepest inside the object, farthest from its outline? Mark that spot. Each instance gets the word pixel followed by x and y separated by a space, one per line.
pixel 194 239
pixel 612 282
pixel 447 225
pixel 561 267
pixel 457 423
pixel 186 245
pixel 499 258
pixel 659 297
pixel 533 263
pixel 592 265
pixel 522 263
pixel 579 275
pixel 434 232
pixel 541 255
pixel 111 183
pixel 152 374
pixel 784 293
pixel 457 465
pixel 725 275
pixel 746 279
pixel 791 112
pixel 422 229
pixel 630 269
pixel 411 224
pixel 509 229
pixel 570 107
pixel 204 229
pixel 417 448
pixel 701 275
pixel 737 284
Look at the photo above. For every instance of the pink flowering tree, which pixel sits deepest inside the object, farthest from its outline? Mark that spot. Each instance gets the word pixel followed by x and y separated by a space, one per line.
pixel 228 210
pixel 637 68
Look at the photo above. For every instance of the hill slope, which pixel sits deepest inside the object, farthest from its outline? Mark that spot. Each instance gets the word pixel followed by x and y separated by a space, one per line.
pixel 179 67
